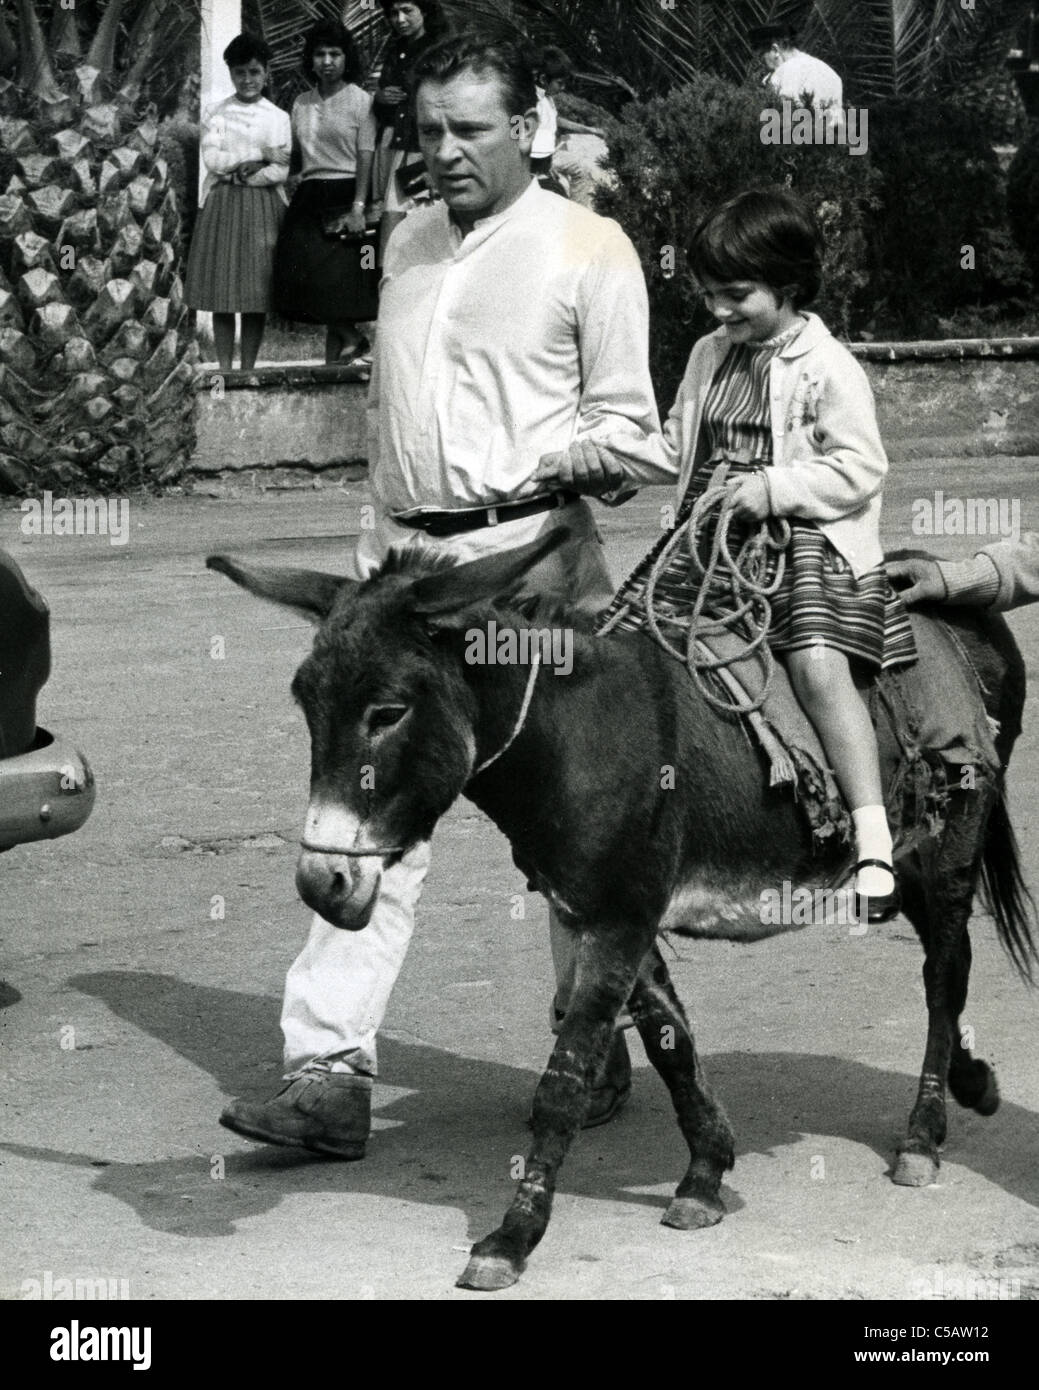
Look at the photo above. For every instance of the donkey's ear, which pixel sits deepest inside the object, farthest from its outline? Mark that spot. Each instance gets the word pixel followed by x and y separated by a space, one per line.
pixel 493 576
pixel 306 591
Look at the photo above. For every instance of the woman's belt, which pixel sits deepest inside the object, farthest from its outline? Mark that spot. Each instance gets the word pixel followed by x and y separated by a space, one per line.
pixel 454 523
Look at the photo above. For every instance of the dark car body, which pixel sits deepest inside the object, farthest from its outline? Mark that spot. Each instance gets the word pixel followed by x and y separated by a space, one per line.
pixel 46 785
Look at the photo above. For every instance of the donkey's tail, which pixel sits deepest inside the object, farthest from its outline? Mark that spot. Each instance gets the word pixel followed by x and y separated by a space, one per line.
pixel 1006 893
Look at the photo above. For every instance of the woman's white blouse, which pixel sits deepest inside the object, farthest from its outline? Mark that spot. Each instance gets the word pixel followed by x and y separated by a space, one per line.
pixel 235 132
pixel 332 131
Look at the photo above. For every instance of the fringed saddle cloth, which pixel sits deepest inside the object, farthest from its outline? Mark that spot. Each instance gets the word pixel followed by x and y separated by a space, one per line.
pixel 932 727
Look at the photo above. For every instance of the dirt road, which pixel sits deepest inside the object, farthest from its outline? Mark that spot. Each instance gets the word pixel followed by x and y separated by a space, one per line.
pixel 144 958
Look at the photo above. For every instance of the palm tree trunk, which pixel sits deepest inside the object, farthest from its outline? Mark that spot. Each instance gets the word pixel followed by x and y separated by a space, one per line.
pixel 102 50
pixel 141 46
pixel 35 74
pixel 64 37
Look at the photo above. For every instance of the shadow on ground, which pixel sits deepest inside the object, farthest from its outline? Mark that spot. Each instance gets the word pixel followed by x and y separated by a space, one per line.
pixel 453 1137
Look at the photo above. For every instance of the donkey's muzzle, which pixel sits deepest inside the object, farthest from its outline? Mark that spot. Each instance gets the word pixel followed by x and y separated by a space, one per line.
pixel 340 888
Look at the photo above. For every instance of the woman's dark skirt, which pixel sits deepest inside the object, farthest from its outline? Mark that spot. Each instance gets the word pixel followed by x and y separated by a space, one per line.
pixel 232 250
pixel 321 279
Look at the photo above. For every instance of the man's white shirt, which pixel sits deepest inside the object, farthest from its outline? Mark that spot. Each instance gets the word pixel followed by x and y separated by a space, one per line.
pixel 500 346
pixel 800 74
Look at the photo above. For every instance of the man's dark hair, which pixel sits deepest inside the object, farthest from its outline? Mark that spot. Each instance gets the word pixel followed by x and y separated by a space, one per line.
pixel 483 56
pixel 243 49
pixel 763 234
pixel 763 36
pixel 554 63
pixel 330 33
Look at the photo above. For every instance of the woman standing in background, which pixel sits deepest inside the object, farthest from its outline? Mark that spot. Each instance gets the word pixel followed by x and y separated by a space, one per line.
pixel 245 146
pixel 415 27
pixel 323 272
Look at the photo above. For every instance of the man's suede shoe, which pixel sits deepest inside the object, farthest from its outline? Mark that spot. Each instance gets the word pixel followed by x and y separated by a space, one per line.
pixel 327 1112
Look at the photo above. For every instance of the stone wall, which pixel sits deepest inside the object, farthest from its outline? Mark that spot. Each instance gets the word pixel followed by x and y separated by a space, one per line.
pixel 299 425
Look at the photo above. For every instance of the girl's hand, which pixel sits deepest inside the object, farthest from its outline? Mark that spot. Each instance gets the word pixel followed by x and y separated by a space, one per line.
pixel 393 96
pixel 750 498
pixel 245 171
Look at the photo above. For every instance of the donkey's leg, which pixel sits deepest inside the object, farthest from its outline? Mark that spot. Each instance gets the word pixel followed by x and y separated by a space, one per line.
pixel 939 904
pixel 607 965
pixel 971 1080
pixel 665 1032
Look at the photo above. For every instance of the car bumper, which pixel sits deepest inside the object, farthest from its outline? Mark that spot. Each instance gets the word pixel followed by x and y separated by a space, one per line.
pixel 44 793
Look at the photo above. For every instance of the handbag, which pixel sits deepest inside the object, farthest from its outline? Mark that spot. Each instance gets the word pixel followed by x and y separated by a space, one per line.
pixel 413 182
pixel 335 229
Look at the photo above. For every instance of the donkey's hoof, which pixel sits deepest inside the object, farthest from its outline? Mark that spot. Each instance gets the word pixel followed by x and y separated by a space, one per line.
pixel 915 1170
pixel 975 1087
pixel 486 1273
pixel 692 1213
pixel 989 1102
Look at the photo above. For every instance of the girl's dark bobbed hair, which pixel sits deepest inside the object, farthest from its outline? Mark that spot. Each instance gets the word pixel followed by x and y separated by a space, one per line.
pixel 765 234
pixel 330 33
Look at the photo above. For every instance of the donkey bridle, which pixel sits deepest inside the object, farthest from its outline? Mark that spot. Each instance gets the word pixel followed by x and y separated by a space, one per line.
pixel 382 852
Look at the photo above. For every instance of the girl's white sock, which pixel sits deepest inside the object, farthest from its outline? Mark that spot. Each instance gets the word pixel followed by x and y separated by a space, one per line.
pixel 873 841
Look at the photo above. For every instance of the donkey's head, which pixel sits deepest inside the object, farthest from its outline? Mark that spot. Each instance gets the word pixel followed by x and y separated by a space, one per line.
pixel 391 717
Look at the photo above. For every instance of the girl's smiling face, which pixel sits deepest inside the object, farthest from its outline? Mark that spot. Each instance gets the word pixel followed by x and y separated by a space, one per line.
pixel 249 79
pixel 749 310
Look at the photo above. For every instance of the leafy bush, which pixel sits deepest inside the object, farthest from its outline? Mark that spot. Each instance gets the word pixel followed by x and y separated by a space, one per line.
pixel 1023 196
pixel 672 159
pixel 941 192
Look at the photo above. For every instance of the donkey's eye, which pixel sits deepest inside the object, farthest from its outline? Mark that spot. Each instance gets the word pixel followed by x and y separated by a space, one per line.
pixel 381 717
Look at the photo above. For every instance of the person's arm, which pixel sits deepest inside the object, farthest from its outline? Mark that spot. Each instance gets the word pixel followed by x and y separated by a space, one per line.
pixel 277 152
pixel 618 409
pixel 367 136
pixel 390 91
pixel 850 465
pixel 216 151
pixel 1015 580
pixel 568 127
pixel 1003 575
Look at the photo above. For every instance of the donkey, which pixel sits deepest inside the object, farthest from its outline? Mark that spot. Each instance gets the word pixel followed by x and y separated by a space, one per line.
pixel 571 771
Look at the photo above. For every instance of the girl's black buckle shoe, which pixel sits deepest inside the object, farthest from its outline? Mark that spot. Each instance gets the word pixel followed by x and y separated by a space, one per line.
pixel 877 907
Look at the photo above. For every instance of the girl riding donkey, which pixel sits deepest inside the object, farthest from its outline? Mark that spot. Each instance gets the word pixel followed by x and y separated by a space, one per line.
pixel 787 407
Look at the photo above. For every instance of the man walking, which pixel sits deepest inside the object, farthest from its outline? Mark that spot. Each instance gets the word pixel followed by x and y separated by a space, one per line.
pixel 512 324
pixel 796 76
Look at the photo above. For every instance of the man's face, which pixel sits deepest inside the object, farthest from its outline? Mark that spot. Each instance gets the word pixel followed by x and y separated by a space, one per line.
pixel 773 57
pixel 477 154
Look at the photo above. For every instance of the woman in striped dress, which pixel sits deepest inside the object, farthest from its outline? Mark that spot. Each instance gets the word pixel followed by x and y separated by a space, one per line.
pixel 246 144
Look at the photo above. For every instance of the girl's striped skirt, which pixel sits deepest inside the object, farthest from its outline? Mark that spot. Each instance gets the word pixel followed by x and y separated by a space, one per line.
pixel 232 250
pixel 819 602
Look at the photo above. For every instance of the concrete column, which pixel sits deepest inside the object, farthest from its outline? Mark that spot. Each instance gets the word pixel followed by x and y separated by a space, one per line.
pixel 221 21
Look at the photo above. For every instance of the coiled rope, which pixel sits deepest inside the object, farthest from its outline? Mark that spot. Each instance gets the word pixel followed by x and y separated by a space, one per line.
pixel 733 594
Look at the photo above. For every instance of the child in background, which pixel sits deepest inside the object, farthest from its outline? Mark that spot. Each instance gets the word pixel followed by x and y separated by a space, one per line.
pixel 774 395
pixel 552 73
pixel 246 144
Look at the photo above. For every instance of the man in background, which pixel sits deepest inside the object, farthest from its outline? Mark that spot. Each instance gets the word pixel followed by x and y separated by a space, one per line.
pixel 796 76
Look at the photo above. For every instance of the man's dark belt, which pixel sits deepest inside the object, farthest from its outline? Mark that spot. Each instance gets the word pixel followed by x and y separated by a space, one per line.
pixel 454 523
